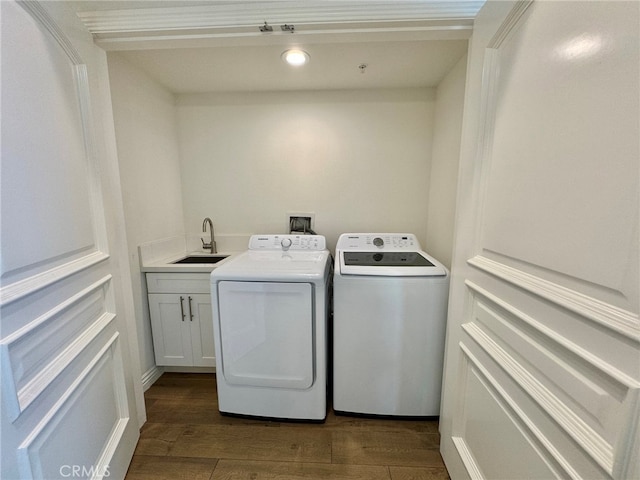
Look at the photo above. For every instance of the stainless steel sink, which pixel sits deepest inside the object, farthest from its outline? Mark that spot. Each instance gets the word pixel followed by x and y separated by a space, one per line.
pixel 201 259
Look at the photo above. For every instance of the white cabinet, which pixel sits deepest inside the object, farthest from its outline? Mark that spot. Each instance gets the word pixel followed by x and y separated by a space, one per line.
pixel 181 319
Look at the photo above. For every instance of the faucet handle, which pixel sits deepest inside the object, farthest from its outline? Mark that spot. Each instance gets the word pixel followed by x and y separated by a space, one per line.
pixel 205 245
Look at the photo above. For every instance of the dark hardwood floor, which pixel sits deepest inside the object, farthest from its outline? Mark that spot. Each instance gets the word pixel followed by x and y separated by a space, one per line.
pixel 185 437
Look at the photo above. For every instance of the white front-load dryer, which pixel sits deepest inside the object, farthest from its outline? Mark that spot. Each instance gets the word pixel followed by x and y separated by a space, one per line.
pixel 270 308
pixel 389 319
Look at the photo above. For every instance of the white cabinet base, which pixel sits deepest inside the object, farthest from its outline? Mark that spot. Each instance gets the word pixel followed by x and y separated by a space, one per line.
pixel 181 319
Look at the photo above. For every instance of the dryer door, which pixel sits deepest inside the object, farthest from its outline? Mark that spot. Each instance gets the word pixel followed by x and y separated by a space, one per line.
pixel 266 333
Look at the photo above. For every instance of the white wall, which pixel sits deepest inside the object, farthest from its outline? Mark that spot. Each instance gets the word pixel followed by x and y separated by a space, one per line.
pixel 360 160
pixel 444 163
pixel 146 132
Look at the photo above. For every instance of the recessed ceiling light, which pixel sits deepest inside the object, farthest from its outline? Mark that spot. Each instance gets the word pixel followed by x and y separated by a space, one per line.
pixel 295 57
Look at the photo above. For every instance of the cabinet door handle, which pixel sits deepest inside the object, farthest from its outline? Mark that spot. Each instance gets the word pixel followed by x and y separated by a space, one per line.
pixel 182 308
pixel 190 310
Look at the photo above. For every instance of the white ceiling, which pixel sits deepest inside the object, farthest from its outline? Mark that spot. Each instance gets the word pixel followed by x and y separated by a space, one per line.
pixel 331 66
pixel 216 46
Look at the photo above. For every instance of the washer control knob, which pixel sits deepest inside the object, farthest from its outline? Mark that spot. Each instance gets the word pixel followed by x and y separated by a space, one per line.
pixel 378 242
pixel 286 243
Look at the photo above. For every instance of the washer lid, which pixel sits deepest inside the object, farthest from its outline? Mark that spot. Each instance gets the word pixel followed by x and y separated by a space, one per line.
pixel 390 264
pixel 385 255
pixel 386 259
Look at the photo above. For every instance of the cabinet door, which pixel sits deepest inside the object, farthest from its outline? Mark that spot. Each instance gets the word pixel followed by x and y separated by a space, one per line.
pixel 201 330
pixel 171 329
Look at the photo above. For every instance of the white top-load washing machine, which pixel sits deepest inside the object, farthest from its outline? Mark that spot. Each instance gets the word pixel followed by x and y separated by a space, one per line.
pixel 389 318
pixel 270 307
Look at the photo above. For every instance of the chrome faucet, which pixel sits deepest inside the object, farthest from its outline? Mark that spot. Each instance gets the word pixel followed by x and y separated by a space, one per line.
pixel 212 243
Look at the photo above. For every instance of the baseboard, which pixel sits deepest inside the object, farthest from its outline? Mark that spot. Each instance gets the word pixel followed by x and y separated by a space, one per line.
pixel 190 369
pixel 150 376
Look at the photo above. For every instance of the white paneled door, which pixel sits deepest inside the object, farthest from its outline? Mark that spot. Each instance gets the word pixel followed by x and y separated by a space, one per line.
pixel 542 375
pixel 68 402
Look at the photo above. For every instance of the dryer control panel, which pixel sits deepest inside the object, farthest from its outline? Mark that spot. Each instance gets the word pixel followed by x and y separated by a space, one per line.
pixel 287 242
pixel 367 242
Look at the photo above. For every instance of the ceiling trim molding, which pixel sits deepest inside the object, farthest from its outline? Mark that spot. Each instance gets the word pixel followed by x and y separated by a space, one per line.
pixel 238 19
pixel 334 33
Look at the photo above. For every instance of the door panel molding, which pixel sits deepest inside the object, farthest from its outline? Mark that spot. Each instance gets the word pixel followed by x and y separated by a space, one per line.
pixel 594 444
pixel 42 17
pixel 474 368
pixel 541 426
pixel 551 337
pixel 37 264
pixel 585 396
pixel 467 458
pixel 605 314
pixel 36 354
pixel 20 289
pixel 510 22
pixel 42 452
pixel 516 229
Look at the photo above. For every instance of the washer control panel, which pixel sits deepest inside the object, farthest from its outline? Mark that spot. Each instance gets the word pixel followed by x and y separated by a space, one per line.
pixel 364 242
pixel 287 242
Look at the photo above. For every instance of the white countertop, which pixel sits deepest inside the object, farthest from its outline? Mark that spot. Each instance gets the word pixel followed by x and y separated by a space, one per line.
pixel 166 265
pixel 159 255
